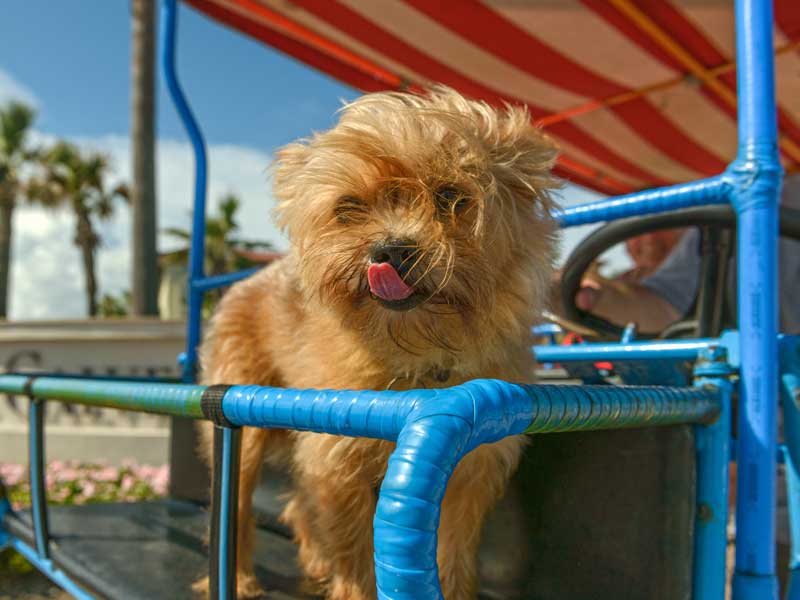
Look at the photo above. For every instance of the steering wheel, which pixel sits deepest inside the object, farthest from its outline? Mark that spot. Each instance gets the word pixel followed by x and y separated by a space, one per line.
pixel 712 217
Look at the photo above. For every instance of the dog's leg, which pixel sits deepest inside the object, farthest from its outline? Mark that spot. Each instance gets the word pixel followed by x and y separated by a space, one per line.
pixel 332 509
pixel 332 523
pixel 478 482
pixel 254 443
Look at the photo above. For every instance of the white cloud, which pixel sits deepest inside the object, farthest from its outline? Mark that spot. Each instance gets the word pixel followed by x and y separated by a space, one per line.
pixel 11 89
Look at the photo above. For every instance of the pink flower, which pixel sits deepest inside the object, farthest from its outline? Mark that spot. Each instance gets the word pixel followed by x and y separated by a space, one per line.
pixel 161 480
pixel 127 483
pixel 12 474
pixel 89 489
pixel 107 474
pixel 145 472
pixel 65 474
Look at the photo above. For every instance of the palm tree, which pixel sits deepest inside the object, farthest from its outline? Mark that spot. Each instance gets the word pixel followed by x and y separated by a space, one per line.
pixel 69 178
pixel 223 249
pixel 15 123
pixel 115 307
pixel 225 252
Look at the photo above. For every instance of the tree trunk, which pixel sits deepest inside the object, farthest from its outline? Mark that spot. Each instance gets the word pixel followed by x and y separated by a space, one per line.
pixel 86 239
pixel 144 284
pixel 6 214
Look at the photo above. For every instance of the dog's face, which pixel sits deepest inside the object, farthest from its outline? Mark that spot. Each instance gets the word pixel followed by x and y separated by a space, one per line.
pixel 422 216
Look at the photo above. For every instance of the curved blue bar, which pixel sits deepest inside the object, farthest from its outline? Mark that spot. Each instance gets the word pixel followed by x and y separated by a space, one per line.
pixel 434 428
pixel 756 176
pixel 169 18
pixel 652 350
pixel 714 190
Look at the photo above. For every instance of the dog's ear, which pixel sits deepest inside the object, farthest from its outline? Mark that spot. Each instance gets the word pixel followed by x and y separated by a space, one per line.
pixel 524 157
pixel 289 184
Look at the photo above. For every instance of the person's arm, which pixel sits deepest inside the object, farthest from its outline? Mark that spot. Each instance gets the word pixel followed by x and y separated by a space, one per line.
pixel 624 302
pixel 656 301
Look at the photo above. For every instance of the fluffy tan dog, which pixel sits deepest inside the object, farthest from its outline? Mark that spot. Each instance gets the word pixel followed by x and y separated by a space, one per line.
pixel 422 250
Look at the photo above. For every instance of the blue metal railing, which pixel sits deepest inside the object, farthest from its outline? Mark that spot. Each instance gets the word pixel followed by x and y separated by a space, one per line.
pixel 757 181
pixel 169 32
pixel 715 190
pixel 658 349
pixel 433 430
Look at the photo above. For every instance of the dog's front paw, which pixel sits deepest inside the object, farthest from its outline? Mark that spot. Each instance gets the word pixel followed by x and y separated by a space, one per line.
pixel 200 587
pixel 247 587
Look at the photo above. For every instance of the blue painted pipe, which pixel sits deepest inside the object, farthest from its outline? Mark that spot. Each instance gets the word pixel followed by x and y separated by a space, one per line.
pixel 434 428
pixel 169 18
pixel 793 496
pixel 47 567
pixel 36 475
pixel 161 398
pixel 712 443
pixel 714 190
pixel 756 177
pixel 5 508
pixel 789 352
pixel 226 514
pixel 218 281
pixel 652 350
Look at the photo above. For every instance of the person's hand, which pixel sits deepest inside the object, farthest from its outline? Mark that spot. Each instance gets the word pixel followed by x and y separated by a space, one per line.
pixel 587 296
pixel 590 292
pixel 620 302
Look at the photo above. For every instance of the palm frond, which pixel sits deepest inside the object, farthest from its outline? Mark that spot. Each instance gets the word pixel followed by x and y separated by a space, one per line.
pixel 177 232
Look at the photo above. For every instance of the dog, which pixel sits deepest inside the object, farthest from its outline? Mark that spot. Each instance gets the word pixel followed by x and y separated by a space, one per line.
pixel 422 246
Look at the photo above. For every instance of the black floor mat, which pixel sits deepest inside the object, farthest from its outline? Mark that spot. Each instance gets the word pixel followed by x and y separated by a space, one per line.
pixel 149 550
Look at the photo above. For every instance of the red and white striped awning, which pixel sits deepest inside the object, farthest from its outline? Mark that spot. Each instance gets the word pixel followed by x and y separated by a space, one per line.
pixel 639 93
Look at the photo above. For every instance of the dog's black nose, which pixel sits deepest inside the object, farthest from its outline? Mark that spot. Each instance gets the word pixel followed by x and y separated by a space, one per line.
pixel 396 252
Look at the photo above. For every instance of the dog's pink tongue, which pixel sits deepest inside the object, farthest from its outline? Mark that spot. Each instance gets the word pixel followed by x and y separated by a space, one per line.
pixel 385 283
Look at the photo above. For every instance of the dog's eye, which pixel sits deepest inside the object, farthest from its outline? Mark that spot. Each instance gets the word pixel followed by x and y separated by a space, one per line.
pixel 350 209
pixel 450 200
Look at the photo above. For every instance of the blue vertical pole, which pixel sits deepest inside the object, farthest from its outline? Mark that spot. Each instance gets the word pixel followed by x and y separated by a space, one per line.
pixel 756 177
pixel 224 505
pixel 169 18
pixel 712 442
pixel 36 464
pixel 5 508
pixel 793 497
pixel 790 398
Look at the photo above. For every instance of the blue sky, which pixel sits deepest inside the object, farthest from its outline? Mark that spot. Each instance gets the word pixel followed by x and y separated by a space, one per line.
pixel 74 55
pixel 70 58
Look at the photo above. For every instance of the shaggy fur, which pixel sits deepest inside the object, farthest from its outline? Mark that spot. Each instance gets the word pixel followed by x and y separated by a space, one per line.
pixel 469 184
